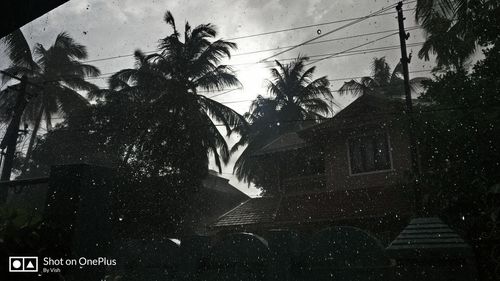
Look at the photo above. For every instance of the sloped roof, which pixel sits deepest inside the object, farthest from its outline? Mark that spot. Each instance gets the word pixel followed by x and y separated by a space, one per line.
pixel 254 211
pixel 216 183
pixel 366 108
pixel 425 237
pixel 285 142
pixel 314 207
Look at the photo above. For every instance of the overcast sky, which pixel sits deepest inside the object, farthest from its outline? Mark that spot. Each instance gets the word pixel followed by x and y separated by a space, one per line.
pixel 114 28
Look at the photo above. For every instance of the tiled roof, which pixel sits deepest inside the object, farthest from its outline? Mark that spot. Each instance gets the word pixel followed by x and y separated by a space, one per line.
pixel 324 206
pixel 288 141
pixel 217 183
pixel 366 108
pixel 254 211
pixel 427 236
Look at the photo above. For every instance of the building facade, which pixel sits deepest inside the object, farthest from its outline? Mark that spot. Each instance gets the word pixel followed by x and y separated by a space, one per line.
pixel 353 169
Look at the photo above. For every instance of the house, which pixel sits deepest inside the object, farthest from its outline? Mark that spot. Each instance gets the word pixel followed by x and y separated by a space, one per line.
pixel 215 198
pixel 352 169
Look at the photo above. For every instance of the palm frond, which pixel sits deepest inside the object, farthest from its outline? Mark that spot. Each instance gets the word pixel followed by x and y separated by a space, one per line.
pixel 169 18
pixel 221 77
pixel 70 47
pixel 19 51
pixel 353 87
pixel 397 73
pixel 17 71
pixel 70 101
pixel 381 71
pixel 221 113
pixel 317 88
pixel 78 83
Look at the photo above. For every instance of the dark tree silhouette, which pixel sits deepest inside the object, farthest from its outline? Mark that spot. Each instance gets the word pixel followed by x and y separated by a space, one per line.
pixel 58 70
pixel 294 96
pixel 454 28
pixel 382 82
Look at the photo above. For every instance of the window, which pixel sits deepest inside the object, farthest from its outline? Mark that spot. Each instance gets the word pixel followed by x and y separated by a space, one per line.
pixel 369 153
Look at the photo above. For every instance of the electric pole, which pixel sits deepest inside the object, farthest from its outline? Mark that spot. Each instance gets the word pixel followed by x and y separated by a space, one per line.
pixel 403 36
pixel 9 141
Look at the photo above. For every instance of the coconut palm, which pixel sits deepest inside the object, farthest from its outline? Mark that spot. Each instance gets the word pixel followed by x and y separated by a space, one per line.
pixel 194 64
pixel 57 69
pixel 295 98
pixel 382 81
pixel 172 79
pixel 136 91
pixel 455 27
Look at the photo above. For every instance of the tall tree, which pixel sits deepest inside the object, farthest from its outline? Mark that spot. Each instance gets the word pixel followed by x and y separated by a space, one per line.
pixel 454 28
pixel 191 64
pixel 60 73
pixel 294 99
pixel 382 81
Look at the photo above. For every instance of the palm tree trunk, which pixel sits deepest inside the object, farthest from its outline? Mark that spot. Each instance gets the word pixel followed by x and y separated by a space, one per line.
pixel 36 127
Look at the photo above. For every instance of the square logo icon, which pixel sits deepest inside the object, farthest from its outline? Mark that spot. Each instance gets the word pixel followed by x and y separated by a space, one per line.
pixel 23 264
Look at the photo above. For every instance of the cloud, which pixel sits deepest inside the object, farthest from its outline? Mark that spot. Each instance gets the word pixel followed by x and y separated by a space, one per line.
pixel 115 28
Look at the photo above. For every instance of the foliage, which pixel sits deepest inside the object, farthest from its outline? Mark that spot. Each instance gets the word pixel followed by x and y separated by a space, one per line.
pixel 59 73
pixel 295 100
pixel 382 82
pixel 459 134
pixel 154 126
pixel 454 28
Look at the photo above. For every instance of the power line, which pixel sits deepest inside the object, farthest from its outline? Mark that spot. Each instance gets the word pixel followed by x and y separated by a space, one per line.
pixel 325 41
pixel 369 50
pixel 268 50
pixel 357 77
pixel 261 34
pixel 226 92
pixel 281 59
pixel 339 54
pixel 332 31
pixel 337 79
pixel 355 47
pixel 311 25
pixel 335 55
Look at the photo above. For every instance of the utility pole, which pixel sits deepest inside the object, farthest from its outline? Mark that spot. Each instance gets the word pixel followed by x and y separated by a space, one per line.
pixel 9 141
pixel 403 36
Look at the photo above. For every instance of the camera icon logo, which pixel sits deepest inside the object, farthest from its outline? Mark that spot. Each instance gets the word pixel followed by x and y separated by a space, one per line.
pixel 23 264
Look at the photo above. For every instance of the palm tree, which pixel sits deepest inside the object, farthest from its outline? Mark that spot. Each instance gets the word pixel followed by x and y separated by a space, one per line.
pixel 136 91
pixel 455 27
pixel 171 80
pixel 382 81
pixel 195 64
pixel 295 98
pixel 57 69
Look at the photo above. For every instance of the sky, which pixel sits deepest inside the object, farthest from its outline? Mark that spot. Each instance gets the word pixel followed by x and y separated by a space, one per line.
pixel 118 28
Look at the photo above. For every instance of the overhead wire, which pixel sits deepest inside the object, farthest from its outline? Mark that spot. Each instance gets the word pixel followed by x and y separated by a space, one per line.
pixel 339 54
pixel 261 34
pixel 325 41
pixel 352 48
pixel 360 19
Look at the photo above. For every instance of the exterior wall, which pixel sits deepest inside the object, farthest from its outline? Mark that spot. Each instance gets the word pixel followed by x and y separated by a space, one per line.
pixel 337 169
